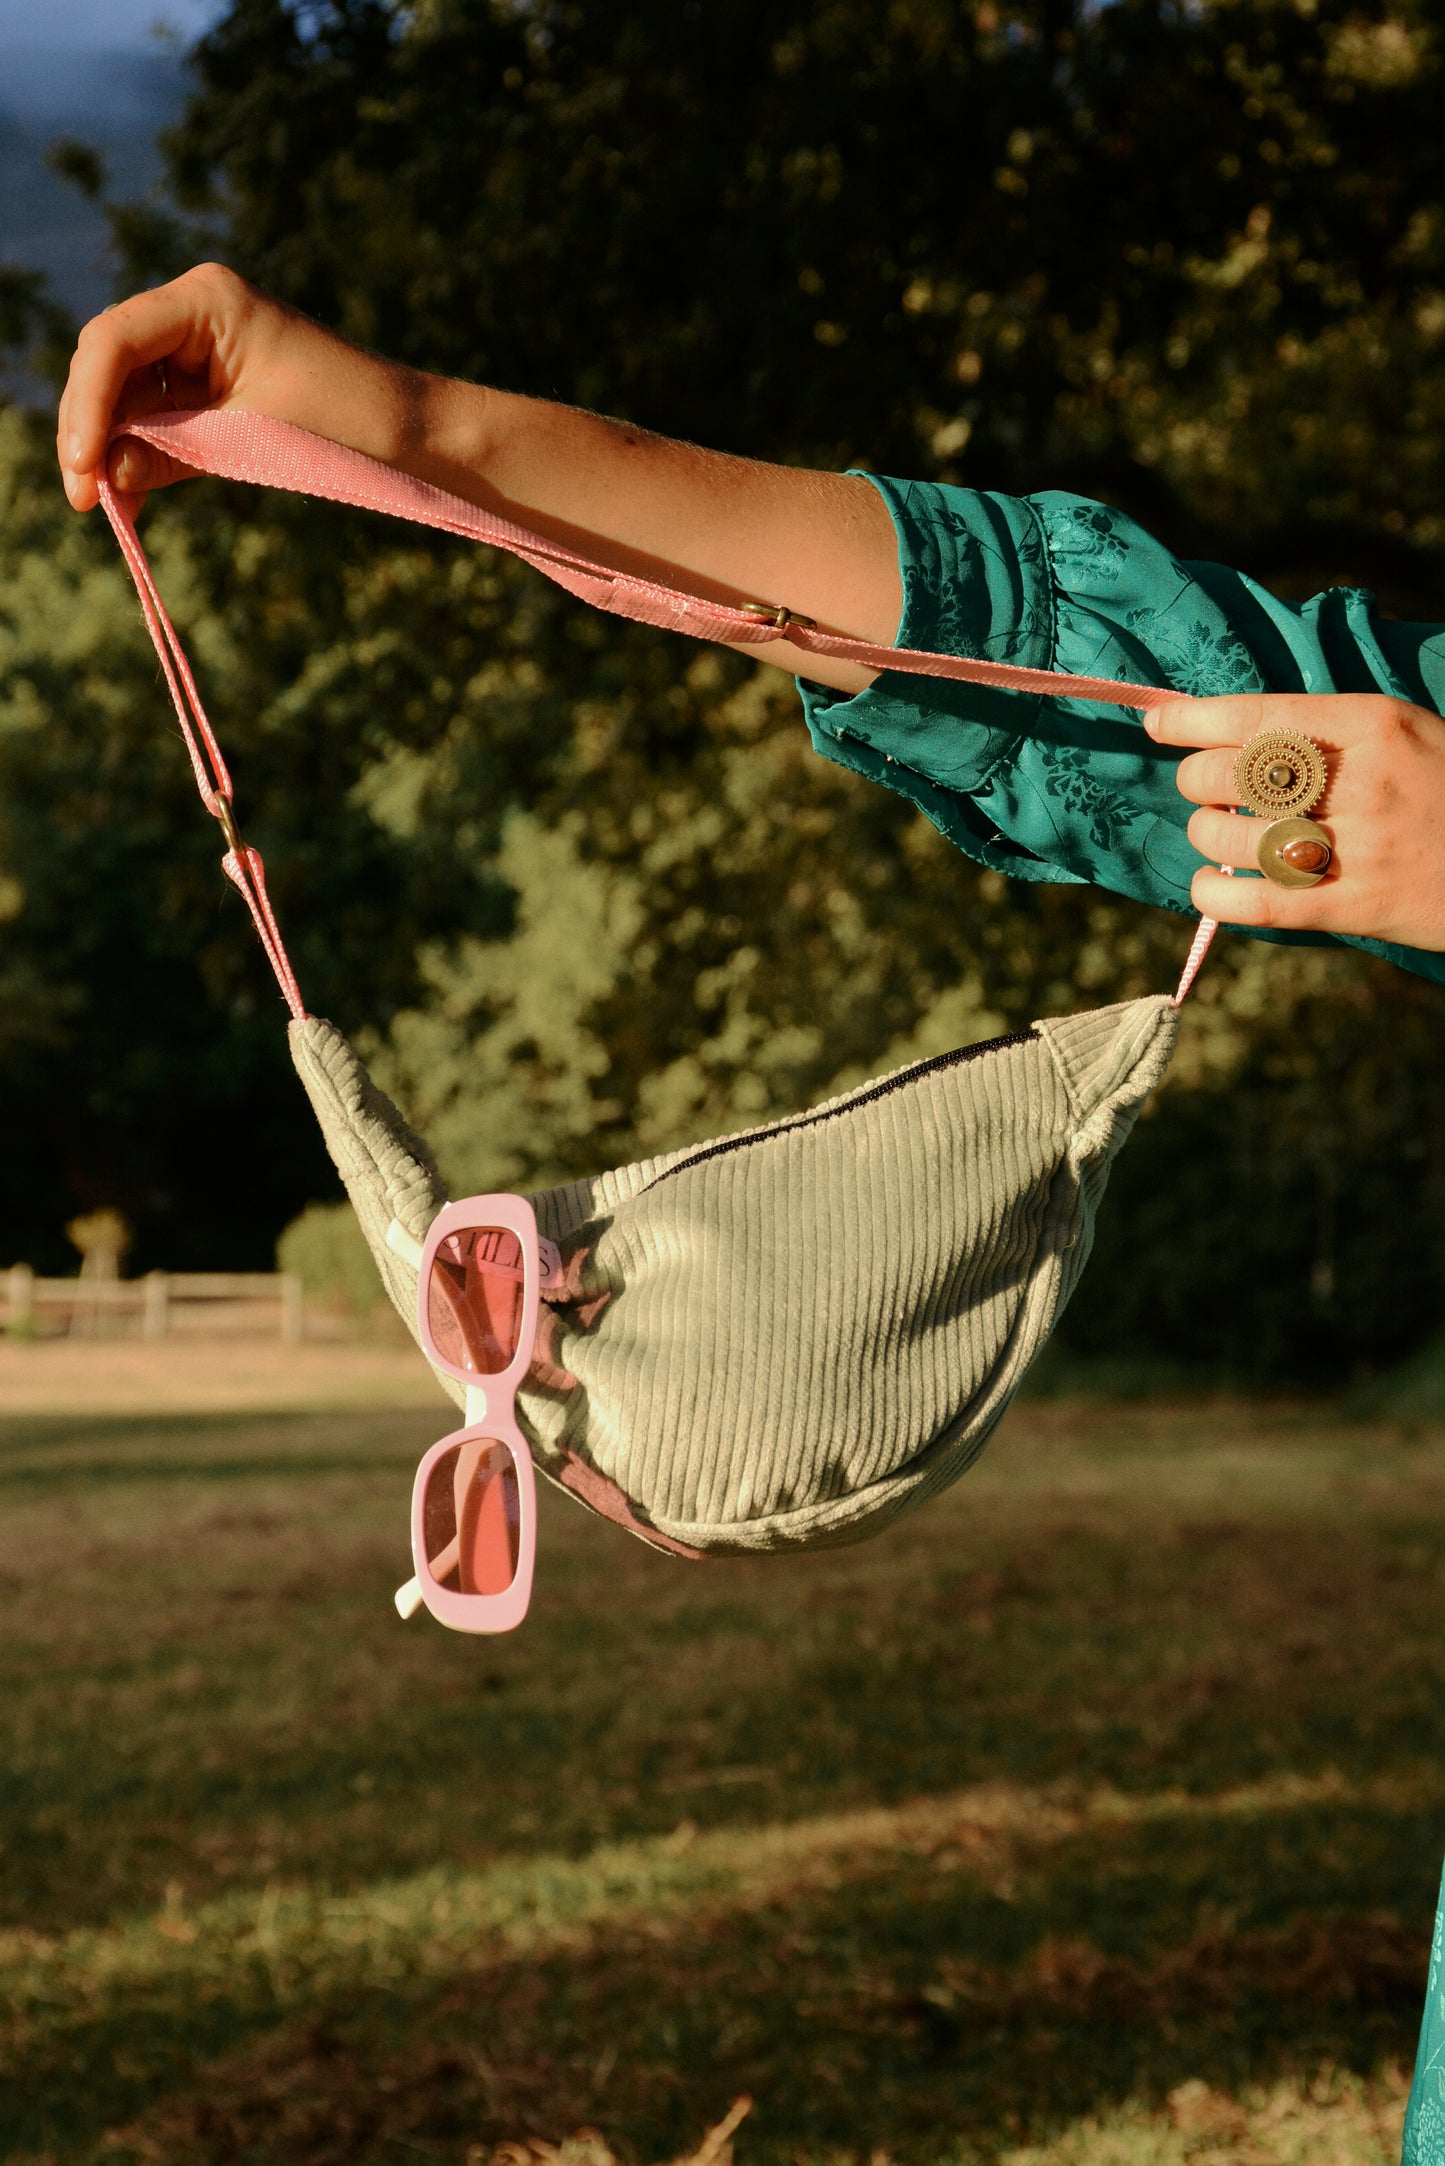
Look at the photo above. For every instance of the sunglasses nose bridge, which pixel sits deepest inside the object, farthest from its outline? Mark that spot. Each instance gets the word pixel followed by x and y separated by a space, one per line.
pixel 475 1410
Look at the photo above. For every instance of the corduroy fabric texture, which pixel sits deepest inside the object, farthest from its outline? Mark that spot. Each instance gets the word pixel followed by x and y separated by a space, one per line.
pixel 789 1336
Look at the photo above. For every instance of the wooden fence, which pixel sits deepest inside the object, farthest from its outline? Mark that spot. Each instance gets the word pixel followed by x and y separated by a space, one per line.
pixel 162 1305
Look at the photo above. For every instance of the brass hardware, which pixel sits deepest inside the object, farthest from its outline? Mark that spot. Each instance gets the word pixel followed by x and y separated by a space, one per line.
pixel 227 819
pixel 778 616
pixel 1279 772
pixel 1295 853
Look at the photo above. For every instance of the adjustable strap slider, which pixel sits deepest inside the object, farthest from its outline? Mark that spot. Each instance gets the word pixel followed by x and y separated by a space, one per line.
pixel 778 616
pixel 227 818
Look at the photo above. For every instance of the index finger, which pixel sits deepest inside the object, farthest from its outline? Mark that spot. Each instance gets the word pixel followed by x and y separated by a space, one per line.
pixel 148 327
pixel 1338 718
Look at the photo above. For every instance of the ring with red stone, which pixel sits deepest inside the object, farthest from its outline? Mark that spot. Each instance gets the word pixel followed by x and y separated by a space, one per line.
pixel 1295 853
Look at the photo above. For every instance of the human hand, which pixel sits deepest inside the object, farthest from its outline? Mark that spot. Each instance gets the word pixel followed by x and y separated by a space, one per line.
pixel 1383 812
pixel 210 339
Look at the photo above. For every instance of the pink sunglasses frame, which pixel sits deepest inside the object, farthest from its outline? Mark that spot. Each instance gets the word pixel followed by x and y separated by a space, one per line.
pixel 491 1416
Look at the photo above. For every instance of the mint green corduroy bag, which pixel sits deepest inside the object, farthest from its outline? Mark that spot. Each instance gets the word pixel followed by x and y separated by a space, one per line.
pixel 791 1335
pixel 785 1338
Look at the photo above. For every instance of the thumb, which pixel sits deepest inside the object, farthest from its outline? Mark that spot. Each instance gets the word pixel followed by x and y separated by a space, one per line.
pixel 136 468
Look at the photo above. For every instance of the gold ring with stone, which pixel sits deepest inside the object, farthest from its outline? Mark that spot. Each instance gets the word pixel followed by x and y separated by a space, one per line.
pixel 1295 853
pixel 1278 773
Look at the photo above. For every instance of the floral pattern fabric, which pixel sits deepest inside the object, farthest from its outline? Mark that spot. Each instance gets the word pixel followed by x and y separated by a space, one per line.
pixel 1066 789
pixel 1425 2115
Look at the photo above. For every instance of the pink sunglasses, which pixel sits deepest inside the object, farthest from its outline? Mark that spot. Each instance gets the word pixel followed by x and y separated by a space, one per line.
pixel 474 1502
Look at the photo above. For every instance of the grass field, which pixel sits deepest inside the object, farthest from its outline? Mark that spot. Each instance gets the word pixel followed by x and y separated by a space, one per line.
pixel 1091 1818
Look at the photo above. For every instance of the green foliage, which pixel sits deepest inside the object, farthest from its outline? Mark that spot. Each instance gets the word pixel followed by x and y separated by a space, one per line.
pixel 327 1251
pixel 1281 1210
pixel 585 892
pixel 143 1064
pixel 79 164
pixel 1198 256
pixel 1412 1393
pixel 698 950
pixel 30 322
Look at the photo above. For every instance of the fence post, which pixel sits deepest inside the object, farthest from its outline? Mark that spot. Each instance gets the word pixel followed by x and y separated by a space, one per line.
pixel 20 1300
pixel 290 1308
pixel 156 1315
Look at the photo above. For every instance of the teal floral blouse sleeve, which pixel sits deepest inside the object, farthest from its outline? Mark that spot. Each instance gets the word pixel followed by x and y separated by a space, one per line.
pixel 1065 789
pixel 1424 2143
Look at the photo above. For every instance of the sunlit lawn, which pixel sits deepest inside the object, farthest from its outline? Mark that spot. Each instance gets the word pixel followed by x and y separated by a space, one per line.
pixel 1091 1817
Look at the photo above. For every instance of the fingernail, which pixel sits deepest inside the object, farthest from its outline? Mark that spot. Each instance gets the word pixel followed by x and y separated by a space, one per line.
pixel 72 453
pixel 128 470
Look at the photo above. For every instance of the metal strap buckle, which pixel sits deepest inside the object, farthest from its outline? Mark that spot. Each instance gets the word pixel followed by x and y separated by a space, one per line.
pixel 229 829
pixel 776 614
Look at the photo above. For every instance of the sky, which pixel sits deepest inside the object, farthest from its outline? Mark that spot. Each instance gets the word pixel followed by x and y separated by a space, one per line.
pixel 98 25
pixel 95 70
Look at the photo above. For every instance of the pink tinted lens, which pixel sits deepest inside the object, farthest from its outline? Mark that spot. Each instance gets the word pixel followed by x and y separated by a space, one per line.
pixel 474 1299
pixel 472 1518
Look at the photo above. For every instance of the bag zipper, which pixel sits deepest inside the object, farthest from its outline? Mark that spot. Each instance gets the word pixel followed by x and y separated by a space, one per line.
pixel 864 1097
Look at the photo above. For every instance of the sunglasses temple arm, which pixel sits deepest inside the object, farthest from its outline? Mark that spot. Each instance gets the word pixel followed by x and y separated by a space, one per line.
pixel 404 1244
pixel 408 1598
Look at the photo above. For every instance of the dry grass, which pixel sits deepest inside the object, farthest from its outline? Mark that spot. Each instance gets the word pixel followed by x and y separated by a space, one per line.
pixel 1091 1819
pixel 1332 2120
pixel 101 1377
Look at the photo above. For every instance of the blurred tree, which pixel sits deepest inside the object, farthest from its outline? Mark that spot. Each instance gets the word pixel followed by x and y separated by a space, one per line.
pixel 587 889
pixel 1193 256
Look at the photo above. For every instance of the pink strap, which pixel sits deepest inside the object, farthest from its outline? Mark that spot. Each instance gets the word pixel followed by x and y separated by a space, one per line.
pixel 241 864
pixel 251 447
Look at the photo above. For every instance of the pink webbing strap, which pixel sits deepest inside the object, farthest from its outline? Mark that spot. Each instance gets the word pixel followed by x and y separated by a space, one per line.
pixel 241 864
pixel 250 447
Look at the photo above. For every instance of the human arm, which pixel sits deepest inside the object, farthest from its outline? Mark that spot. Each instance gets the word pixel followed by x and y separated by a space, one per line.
pixel 1051 790
pixel 722 527
pixel 1052 582
pixel 1383 812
